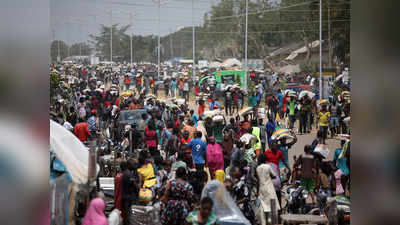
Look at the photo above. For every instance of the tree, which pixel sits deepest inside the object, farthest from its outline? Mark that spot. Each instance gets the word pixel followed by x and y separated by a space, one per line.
pixel 102 41
pixel 143 46
pixel 54 50
pixel 80 49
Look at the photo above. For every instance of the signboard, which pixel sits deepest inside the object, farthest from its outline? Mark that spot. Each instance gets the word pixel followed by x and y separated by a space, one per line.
pixel 94 60
pixel 326 72
pixel 254 64
pixel 229 79
pixel 203 63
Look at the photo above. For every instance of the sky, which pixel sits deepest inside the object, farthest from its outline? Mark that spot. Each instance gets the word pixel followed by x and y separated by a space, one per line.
pixel 74 20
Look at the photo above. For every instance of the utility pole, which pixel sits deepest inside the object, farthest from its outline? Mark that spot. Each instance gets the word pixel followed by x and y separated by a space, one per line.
pixel 320 49
pixel 111 34
pixel 245 45
pixel 80 43
pixel 158 2
pixel 329 35
pixel 54 35
pixel 170 44
pixel 130 24
pixel 68 37
pixel 158 48
pixel 193 39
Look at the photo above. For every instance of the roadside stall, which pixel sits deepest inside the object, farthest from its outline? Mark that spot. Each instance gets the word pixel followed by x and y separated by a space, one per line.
pixel 73 170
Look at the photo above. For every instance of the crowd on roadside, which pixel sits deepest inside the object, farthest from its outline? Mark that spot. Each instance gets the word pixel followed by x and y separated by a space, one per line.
pixel 180 149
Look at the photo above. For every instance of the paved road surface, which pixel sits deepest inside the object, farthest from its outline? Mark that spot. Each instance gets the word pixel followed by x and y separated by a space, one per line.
pixel 296 149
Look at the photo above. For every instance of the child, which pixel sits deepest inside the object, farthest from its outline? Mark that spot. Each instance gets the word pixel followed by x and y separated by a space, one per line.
pixel 308 171
pixel 323 121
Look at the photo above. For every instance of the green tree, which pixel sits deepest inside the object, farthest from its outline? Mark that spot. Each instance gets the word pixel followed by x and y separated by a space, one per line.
pixel 54 84
pixel 80 48
pixel 55 45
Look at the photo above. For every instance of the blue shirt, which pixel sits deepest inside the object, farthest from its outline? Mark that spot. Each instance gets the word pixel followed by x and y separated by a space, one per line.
pixel 167 134
pixel 213 104
pixel 285 153
pixel 341 162
pixel 199 149
pixel 280 97
pixel 195 118
pixel 173 84
pixel 92 123
pixel 270 130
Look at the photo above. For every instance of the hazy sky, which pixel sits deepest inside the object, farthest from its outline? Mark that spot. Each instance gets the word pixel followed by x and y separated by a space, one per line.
pixel 74 20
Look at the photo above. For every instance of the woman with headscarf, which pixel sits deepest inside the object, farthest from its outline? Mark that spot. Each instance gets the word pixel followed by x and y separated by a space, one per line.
pixel 95 213
pixel 215 159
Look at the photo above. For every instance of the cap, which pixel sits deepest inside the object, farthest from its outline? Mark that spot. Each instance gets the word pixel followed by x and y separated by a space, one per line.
pixel 93 111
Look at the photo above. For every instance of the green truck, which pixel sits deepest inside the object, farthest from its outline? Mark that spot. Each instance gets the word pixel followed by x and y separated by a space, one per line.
pixel 227 77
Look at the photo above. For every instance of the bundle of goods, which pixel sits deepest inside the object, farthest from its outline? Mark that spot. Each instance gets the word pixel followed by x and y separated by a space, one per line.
pixel 245 111
pixel 144 215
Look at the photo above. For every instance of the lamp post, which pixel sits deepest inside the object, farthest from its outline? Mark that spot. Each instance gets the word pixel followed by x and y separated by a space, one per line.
pixel 193 40
pixel 159 2
pixel 320 49
pixel 245 45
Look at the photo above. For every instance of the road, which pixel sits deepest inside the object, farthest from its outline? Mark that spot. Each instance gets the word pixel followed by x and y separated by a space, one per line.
pixel 302 140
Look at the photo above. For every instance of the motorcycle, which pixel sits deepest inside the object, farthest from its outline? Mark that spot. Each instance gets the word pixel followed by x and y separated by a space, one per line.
pixel 295 200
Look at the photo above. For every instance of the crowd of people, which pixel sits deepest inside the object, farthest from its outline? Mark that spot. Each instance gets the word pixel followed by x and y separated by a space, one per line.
pixel 179 149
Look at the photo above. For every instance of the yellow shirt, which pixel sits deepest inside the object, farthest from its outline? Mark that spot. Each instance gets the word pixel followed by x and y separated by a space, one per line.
pixel 147 173
pixel 324 119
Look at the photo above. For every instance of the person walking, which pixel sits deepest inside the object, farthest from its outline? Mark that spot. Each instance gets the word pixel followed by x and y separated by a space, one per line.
pixel 265 186
pixel 199 149
pixel 203 216
pixel 215 159
pixel 177 199
pixel 95 213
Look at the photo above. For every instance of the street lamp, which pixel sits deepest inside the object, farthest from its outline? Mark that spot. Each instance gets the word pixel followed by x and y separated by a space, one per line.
pixel 245 45
pixel 320 49
pixel 159 3
pixel 193 37
pixel 131 36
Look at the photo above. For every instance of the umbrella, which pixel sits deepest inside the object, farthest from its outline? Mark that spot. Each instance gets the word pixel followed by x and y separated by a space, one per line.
pixel 346 93
pixel 245 111
pixel 248 139
pixel 226 87
pixel 304 93
pixel 322 150
pixel 180 101
pixel 151 96
pixel 289 92
pixel 211 113
pixel 323 102
pixel 126 94
pixel 343 137
pixel 282 133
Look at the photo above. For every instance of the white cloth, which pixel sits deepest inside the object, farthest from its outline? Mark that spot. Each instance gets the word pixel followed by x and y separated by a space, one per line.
pixel 267 190
pixel 68 126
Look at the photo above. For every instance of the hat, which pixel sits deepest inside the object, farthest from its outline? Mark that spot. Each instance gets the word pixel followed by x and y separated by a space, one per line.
pixel 93 111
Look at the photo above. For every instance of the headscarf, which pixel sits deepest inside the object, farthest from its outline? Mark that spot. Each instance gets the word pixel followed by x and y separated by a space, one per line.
pixel 220 176
pixel 95 213
pixel 215 159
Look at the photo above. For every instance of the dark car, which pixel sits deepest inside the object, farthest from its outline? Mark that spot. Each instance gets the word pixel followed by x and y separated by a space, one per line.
pixel 128 117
